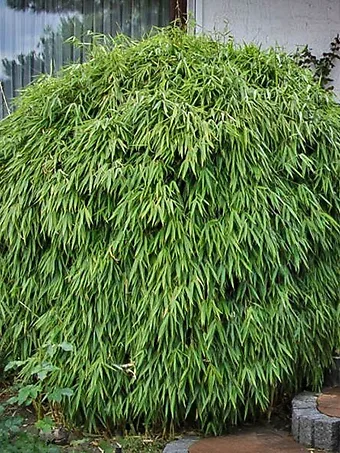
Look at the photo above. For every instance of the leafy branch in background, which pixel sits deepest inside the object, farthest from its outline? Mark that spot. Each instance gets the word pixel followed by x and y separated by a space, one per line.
pixel 321 67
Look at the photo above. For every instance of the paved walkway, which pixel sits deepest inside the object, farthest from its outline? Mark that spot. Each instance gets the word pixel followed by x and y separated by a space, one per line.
pixel 260 440
pixel 267 439
pixel 324 413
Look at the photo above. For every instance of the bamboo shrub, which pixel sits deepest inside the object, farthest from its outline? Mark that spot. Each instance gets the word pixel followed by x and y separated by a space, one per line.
pixel 171 209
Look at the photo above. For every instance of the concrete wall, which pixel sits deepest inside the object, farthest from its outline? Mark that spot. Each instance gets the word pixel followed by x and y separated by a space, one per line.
pixel 288 23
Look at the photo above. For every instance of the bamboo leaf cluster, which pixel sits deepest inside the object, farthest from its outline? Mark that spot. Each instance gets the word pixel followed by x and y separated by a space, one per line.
pixel 171 209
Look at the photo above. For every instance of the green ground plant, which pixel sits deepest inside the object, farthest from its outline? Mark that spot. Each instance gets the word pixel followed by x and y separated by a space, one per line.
pixel 14 440
pixel 171 209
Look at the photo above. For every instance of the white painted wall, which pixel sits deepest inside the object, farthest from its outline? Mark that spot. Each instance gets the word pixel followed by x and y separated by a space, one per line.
pixel 288 23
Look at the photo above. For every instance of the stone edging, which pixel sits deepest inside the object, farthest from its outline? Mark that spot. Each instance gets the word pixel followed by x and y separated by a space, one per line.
pixel 312 428
pixel 180 445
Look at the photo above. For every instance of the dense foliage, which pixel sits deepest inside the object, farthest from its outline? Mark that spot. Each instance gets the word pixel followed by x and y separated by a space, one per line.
pixel 170 209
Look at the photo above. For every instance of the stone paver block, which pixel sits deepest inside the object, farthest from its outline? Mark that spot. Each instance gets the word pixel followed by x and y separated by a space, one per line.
pixel 305 400
pixel 326 433
pixel 306 427
pixel 312 428
pixel 180 445
pixel 296 415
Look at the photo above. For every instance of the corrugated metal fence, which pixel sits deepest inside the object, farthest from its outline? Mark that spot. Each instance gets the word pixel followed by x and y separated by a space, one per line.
pixel 33 33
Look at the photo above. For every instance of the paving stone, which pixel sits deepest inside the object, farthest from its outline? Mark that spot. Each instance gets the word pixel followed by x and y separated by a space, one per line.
pixel 304 409
pixel 313 428
pixel 304 401
pixel 180 445
pixel 296 415
pixel 326 433
pixel 306 426
pixel 303 396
